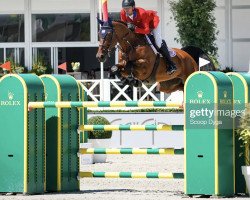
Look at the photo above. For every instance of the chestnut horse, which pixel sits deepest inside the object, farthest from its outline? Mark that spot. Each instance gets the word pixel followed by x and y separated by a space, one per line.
pixel 138 62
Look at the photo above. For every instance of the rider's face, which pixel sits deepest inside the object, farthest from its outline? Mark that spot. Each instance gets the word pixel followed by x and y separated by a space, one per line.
pixel 128 10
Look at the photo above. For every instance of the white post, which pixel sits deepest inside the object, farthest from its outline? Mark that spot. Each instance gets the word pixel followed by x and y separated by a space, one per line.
pixel 101 64
pixel 107 93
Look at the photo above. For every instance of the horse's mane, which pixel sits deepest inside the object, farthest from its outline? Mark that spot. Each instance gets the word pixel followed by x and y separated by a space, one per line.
pixel 138 36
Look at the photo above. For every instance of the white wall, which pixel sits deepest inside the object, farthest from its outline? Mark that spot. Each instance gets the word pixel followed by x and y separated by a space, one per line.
pixel 11 6
pixel 60 5
pixel 169 27
pixel 220 15
pixel 240 2
pixel 241 35
pixel 116 5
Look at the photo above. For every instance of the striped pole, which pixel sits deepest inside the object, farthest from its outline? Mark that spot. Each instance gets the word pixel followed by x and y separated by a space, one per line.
pixel 165 151
pixel 130 175
pixel 105 10
pixel 131 127
pixel 81 104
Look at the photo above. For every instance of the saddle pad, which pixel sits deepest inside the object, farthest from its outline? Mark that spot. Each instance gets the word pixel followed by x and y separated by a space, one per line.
pixel 172 53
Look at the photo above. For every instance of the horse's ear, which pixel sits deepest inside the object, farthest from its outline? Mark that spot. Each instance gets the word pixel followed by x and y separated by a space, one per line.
pixel 100 21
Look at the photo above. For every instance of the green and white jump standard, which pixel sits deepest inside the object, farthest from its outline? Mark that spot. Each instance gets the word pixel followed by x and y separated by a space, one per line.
pixel 62 142
pixel 241 85
pixel 209 143
pixel 22 149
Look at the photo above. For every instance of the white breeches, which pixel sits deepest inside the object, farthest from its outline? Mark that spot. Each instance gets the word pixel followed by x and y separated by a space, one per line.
pixel 157 35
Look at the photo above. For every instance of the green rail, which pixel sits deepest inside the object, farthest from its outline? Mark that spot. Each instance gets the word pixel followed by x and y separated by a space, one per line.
pixel 80 104
pixel 169 151
pixel 131 175
pixel 131 127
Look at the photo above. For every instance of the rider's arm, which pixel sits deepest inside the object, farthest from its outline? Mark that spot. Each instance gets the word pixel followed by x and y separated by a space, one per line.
pixel 123 16
pixel 145 22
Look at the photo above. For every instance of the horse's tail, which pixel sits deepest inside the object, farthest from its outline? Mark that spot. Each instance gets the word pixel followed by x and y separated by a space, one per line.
pixel 196 53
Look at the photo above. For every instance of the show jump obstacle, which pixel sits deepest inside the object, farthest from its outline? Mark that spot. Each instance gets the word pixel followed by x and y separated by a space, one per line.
pixel 41 118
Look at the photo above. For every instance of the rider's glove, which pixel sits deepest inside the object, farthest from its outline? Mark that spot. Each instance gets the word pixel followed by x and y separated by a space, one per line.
pixel 131 26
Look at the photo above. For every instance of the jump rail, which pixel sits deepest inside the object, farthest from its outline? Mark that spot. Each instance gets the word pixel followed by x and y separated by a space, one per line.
pixel 131 127
pixel 131 175
pixel 161 151
pixel 84 104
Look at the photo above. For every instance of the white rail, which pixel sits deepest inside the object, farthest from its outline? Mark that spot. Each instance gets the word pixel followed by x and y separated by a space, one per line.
pixel 113 90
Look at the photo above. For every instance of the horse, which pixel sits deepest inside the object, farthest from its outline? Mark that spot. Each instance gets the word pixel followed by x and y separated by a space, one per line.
pixel 137 62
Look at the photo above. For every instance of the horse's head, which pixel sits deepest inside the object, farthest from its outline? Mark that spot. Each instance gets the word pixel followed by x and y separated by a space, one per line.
pixel 107 40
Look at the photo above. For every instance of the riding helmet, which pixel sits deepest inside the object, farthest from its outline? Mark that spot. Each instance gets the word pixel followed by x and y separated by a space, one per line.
pixel 128 3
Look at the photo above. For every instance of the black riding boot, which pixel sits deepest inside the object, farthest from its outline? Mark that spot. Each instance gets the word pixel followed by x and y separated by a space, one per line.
pixel 171 68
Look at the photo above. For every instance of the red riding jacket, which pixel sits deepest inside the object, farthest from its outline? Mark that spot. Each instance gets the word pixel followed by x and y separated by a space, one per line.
pixel 144 20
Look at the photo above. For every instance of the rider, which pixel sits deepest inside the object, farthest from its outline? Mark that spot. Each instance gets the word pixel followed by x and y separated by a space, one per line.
pixel 143 22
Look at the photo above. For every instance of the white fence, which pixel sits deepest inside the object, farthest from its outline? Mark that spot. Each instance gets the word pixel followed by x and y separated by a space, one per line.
pixel 113 90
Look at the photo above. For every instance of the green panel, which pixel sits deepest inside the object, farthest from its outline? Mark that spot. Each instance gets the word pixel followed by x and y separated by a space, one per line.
pixel 225 135
pixel 241 98
pixel 246 76
pixel 70 140
pixel 11 158
pixel 206 94
pixel 51 117
pixel 36 135
pixel 199 141
pixel 65 160
pixel 83 114
pixel 23 137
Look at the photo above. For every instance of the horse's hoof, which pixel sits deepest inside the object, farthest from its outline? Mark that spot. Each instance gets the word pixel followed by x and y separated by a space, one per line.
pixel 125 81
pixel 136 83
pixel 114 69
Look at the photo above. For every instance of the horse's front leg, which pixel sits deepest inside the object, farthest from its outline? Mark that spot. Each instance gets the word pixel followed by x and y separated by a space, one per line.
pixel 125 74
pixel 117 70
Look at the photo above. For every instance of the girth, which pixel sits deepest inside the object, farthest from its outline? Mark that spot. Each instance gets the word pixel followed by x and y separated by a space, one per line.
pixel 152 77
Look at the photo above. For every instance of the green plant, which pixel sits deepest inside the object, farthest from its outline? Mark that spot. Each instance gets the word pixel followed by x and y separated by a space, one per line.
pixel 243 133
pixel 40 68
pixel 99 120
pixel 75 66
pixel 195 23
pixel 228 69
pixel 15 67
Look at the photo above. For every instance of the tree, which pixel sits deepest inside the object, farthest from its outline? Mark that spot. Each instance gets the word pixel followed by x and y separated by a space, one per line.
pixel 196 25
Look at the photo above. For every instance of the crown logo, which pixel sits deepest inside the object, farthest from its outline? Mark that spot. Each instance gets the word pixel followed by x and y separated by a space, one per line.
pixel 199 94
pixel 10 95
pixel 225 94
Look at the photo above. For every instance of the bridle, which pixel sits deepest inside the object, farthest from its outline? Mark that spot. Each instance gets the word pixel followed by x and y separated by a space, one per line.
pixel 107 47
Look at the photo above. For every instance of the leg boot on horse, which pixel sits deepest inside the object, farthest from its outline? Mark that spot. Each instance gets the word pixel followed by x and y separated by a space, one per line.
pixel 171 68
